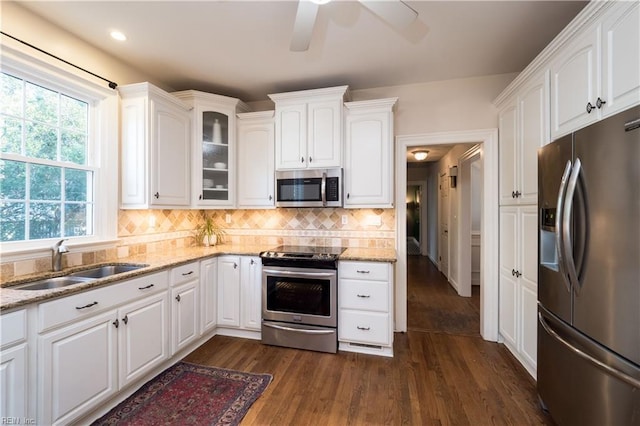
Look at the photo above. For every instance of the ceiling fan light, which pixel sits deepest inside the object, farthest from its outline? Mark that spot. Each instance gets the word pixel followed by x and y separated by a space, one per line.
pixel 420 155
pixel 320 1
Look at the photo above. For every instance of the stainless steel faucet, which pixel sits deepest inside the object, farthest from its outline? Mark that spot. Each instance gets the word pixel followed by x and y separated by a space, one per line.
pixel 56 257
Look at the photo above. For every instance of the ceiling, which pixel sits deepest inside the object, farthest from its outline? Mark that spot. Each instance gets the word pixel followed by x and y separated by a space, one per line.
pixel 241 48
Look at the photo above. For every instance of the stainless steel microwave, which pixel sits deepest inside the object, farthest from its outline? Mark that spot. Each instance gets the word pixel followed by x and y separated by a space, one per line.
pixel 309 188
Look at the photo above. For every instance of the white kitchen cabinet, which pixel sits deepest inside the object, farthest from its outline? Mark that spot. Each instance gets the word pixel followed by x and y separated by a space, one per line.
pixel 597 73
pixel 94 343
pixel 523 128
pixel 185 283
pixel 155 149
pixel 213 162
pixel 365 307
pixel 256 160
pixel 14 366
pixel 518 282
pixel 251 292
pixel 229 291
pixel 368 171
pixel 143 337
pixel 309 128
pixel 208 295
pixel 77 368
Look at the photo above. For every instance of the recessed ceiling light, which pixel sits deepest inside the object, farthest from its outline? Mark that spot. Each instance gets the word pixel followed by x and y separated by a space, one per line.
pixel 320 1
pixel 117 35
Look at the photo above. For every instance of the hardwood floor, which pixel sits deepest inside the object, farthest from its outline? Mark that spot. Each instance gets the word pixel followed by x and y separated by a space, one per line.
pixel 440 374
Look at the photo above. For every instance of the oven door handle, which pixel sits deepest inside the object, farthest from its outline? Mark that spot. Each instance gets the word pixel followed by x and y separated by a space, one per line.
pixel 323 189
pixel 276 273
pixel 298 330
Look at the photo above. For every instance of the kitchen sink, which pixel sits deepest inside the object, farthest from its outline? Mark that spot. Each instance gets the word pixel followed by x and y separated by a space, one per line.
pixel 49 283
pixel 106 271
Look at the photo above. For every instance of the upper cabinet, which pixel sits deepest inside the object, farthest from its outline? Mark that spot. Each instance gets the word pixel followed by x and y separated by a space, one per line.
pixel 368 171
pixel 213 161
pixel 308 126
pixel 155 149
pixel 597 73
pixel 523 127
pixel 256 158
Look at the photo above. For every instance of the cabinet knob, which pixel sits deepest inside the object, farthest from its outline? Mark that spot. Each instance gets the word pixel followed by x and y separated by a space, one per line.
pixel 600 102
pixel 200 197
pixel 178 298
pixel 518 194
pixel 125 320
pixel 518 274
pixel 253 262
pixel 590 107
pixel 270 197
pixel 116 323
pixel 235 265
pixel 310 159
pixel 157 195
pixel 302 159
pixel 513 272
pixel 348 195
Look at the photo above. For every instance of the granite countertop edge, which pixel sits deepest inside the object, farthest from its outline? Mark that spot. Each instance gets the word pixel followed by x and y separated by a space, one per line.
pixel 13 298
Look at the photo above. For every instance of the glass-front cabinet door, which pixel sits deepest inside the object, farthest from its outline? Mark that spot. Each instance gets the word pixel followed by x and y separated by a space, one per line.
pixel 214 148
pixel 215 156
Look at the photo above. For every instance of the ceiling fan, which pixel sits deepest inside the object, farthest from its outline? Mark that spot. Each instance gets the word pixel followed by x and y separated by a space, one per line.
pixel 397 13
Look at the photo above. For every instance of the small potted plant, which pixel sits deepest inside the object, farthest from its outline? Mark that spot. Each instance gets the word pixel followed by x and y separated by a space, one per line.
pixel 208 233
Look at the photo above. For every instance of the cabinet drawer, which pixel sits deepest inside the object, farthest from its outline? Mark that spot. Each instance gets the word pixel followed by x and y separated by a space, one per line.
pixel 378 271
pixel 364 327
pixel 13 327
pixel 364 295
pixel 77 306
pixel 184 273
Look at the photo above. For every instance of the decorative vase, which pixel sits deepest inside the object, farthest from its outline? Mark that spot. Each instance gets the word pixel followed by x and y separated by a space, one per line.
pixel 217 132
pixel 209 240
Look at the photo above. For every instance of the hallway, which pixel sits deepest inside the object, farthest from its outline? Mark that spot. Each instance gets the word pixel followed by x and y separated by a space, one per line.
pixel 433 304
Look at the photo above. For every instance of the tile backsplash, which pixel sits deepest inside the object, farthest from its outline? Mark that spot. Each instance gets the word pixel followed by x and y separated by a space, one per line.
pixel 148 231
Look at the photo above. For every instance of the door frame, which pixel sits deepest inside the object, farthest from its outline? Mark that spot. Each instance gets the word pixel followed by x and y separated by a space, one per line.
pixel 489 222
pixel 464 201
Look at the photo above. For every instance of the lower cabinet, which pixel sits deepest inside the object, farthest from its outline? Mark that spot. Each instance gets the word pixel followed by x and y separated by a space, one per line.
pixel 239 296
pixel 365 314
pixel 89 351
pixel 208 295
pixel 185 283
pixel 14 379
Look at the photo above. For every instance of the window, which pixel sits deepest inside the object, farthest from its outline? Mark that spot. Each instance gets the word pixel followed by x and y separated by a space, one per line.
pixel 58 157
pixel 46 184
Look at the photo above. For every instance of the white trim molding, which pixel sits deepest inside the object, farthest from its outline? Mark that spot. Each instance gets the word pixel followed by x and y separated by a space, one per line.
pixel 489 222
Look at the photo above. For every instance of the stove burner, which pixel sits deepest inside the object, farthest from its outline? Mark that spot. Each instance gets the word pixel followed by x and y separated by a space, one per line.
pixel 301 256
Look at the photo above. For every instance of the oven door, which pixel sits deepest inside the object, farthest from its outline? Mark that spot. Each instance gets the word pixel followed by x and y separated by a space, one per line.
pixel 299 295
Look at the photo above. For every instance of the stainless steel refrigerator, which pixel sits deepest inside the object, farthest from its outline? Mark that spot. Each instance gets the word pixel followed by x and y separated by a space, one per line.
pixel 589 274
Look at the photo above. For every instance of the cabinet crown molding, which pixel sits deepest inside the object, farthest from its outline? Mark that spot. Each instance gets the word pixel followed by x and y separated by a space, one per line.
pixel 136 90
pixel 592 11
pixel 316 94
pixel 386 104
pixel 255 115
pixel 192 96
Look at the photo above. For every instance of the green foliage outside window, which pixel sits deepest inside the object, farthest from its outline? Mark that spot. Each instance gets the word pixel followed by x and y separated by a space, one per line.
pixel 46 185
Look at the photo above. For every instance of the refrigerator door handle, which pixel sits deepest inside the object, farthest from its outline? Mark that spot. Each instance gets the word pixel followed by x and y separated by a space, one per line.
pixel 559 209
pixel 601 365
pixel 566 227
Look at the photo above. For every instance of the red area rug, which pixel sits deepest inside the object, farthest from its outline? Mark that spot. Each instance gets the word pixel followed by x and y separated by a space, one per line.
pixel 190 394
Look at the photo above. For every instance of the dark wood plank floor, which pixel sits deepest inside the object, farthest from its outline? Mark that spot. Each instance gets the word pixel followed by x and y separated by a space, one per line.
pixel 440 375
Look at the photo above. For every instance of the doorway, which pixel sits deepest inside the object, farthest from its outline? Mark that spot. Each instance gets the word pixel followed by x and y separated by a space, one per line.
pixel 416 218
pixel 488 139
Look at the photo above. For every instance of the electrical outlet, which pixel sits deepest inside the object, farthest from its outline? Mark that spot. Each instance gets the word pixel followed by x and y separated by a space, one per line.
pixel 345 220
pixel 227 218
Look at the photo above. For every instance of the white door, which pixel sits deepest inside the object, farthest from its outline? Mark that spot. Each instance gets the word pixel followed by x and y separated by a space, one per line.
pixel 291 137
pixel 184 314
pixel 13 382
pixel 251 297
pixel 208 294
pixel 256 164
pixel 508 281
pixel 324 140
pixel 143 337
pixel 229 291
pixel 528 268
pixel 508 129
pixel 78 368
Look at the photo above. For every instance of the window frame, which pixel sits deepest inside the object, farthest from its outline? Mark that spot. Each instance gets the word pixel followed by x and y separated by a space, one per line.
pixel 102 149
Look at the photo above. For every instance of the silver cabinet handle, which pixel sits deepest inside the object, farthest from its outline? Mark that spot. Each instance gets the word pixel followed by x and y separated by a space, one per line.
pixel 364 296
pixel 146 287
pixel 363 328
pixel 87 306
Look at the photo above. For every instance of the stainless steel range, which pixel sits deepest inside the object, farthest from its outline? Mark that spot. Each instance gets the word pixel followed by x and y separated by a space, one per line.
pixel 299 297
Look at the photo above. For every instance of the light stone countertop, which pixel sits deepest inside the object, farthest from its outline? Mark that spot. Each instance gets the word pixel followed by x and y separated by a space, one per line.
pixel 14 298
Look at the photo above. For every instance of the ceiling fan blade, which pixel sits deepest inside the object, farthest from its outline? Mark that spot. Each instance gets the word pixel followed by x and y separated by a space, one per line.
pixel 303 26
pixel 395 12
